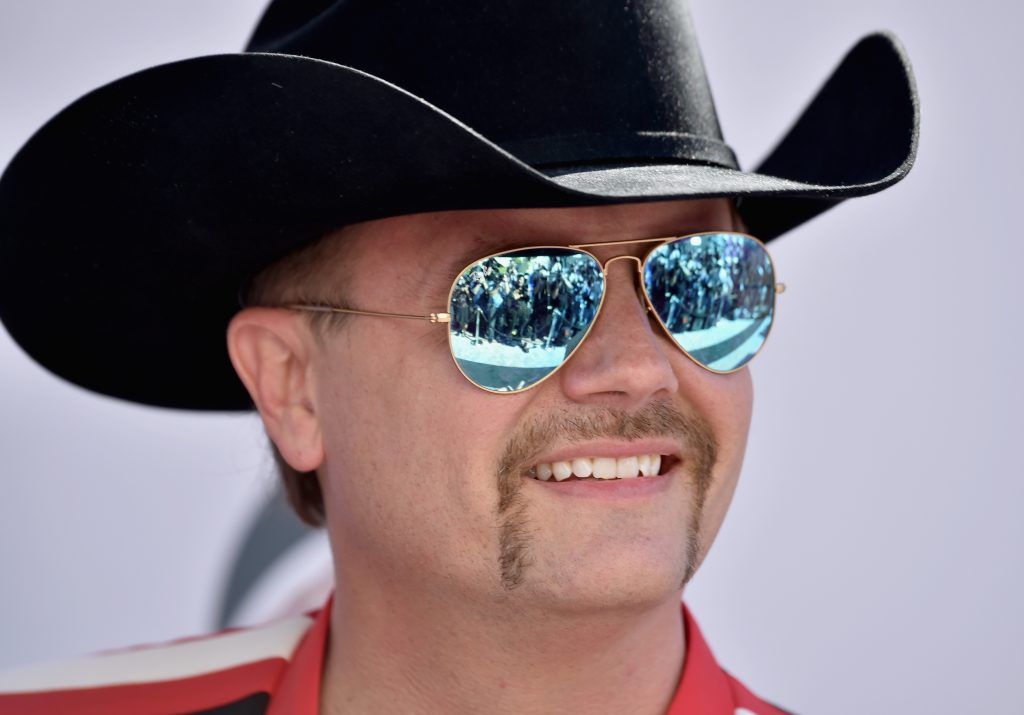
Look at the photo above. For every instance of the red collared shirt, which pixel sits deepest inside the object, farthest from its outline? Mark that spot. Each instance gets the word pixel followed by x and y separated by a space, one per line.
pixel 275 670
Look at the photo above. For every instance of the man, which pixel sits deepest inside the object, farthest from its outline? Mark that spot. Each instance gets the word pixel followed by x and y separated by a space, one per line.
pixel 508 536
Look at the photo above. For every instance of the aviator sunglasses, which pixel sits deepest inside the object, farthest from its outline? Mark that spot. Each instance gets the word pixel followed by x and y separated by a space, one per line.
pixel 515 317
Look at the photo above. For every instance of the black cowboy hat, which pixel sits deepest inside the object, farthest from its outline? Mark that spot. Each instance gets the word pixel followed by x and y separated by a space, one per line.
pixel 130 220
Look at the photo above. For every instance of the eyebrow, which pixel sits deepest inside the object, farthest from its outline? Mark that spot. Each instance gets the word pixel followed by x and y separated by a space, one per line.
pixel 479 246
pixel 437 282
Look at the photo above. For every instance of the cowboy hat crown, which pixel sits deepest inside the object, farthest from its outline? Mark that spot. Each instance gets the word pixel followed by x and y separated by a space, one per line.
pixel 550 82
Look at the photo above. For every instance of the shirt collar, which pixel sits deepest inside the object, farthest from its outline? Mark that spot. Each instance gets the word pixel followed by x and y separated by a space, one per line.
pixel 703 689
pixel 298 693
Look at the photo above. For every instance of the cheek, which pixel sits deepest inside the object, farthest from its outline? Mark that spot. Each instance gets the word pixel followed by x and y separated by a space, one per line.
pixel 726 401
pixel 410 448
pixel 385 404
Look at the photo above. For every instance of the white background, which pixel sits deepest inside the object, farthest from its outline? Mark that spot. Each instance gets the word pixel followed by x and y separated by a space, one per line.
pixel 871 562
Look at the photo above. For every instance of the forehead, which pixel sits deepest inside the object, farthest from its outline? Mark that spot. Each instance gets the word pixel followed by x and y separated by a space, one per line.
pixel 427 251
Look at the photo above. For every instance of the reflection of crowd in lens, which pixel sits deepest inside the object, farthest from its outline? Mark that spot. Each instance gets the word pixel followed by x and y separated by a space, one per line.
pixel 530 301
pixel 695 285
pixel 547 301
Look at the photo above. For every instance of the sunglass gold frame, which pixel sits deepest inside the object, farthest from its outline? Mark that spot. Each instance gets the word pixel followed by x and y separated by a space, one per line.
pixel 581 248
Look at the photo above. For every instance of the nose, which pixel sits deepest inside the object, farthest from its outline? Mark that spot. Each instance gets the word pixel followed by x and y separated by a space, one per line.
pixel 622 362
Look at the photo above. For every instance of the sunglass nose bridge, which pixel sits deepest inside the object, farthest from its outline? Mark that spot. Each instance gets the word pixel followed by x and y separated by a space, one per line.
pixel 639 270
pixel 639 262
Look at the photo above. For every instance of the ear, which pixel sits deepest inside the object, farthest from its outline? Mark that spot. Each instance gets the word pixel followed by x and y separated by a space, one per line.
pixel 270 350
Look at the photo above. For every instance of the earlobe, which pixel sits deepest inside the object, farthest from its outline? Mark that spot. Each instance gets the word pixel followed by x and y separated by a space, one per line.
pixel 270 352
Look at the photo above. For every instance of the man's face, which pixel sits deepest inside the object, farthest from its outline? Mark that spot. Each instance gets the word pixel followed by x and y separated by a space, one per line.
pixel 426 477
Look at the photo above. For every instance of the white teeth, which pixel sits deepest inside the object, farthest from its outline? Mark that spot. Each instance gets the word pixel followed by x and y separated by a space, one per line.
pixel 653 466
pixel 626 468
pixel 644 465
pixel 582 468
pixel 604 468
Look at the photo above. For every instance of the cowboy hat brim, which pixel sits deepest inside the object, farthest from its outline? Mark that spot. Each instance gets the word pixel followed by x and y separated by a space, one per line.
pixel 130 220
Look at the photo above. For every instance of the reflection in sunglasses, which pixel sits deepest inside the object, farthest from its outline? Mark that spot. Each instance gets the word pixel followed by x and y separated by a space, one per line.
pixel 715 295
pixel 517 316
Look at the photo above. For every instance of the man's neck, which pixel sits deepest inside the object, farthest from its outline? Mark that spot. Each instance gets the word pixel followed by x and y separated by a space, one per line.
pixel 411 656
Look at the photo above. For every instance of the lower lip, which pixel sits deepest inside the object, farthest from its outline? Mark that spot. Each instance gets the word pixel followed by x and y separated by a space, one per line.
pixel 610 489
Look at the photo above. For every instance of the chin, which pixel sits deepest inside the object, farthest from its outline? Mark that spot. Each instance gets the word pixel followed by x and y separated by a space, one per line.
pixel 633 579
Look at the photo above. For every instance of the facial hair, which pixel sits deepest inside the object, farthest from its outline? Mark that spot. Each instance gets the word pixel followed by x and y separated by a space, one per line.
pixel 657 419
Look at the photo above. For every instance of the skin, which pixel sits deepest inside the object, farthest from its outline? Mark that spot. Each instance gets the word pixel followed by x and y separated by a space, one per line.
pixel 422 475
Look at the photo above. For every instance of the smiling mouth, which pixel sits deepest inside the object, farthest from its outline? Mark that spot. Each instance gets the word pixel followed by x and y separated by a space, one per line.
pixel 604 468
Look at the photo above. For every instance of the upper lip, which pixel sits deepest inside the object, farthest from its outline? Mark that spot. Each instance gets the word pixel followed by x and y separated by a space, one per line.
pixel 611 448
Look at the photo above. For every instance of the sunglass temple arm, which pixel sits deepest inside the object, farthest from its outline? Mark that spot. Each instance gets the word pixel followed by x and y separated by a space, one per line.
pixel 432 317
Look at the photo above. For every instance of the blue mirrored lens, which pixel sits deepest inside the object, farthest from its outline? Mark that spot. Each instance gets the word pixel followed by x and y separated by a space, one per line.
pixel 516 317
pixel 715 294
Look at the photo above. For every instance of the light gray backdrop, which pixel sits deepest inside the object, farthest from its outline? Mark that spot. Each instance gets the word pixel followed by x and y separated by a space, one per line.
pixel 871 562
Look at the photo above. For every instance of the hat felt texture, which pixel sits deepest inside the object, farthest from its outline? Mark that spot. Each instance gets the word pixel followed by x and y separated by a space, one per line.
pixel 130 221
